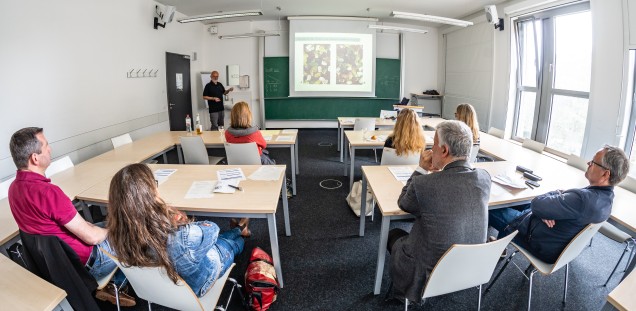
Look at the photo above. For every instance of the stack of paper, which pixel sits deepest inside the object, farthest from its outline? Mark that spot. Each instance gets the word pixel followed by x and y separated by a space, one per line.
pixel 510 181
pixel 267 137
pixel 201 190
pixel 401 173
pixel 285 138
pixel 232 173
pixel 161 175
pixel 267 172
pixel 289 131
pixel 225 186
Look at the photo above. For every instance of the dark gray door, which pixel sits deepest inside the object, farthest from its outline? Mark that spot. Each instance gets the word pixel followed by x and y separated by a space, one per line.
pixel 178 85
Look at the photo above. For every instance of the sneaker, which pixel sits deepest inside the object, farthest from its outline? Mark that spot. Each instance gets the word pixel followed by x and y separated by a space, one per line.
pixel 504 254
pixel 108 294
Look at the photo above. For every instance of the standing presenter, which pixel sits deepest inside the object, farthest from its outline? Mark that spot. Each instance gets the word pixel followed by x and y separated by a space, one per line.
pixel 213 93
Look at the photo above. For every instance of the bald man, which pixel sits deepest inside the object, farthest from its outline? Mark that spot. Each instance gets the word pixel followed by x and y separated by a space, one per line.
pixel 213 93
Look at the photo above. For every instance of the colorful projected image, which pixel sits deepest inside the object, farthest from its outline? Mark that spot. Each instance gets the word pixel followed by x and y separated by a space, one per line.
pixel 349 64
pixel 316 60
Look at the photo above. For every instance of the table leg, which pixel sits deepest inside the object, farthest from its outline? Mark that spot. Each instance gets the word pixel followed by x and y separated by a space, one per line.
pixel 283 192
pixel 384 236
pixel 179 154
pixel 293 169
pixel 363 205
pixel 339 129
pixel 64 305
pixel 342 143
pixel 273 241
pixel 296 151
pixel 344 163
pixel 352 166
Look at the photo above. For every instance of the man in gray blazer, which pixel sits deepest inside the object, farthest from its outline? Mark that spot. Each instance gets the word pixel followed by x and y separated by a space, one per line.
pixel 449 200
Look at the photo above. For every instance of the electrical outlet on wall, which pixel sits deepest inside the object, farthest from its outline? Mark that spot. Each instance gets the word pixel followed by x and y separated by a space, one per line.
pixel 213 30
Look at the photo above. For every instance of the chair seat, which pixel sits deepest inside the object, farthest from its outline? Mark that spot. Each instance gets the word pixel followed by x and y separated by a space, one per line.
pixel 215 160
pixel 540 265
pixel 211 298
pixel 614 233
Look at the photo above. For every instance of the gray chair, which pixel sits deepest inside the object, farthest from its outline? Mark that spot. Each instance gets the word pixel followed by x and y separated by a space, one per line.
pixel 121 140
pixel 571 251
pixel 59 165
pixel 463 267
pixel 576 161
pixel 4 187
pixel 366 124
pixel 533 145
pixel 153 285
pixel 389 157
pixel 242 154
pixel 194 151
pixel 619 236
pixel 497 132
pixel 474 151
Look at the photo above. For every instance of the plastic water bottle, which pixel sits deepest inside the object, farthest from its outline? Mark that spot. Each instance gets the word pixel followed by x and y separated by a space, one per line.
pixel 188 124
pixel 198 126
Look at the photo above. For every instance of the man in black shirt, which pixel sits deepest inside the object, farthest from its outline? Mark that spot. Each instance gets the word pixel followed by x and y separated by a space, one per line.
pixel 213 93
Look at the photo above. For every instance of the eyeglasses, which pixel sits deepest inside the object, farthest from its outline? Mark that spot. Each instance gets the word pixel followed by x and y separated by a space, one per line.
pixel 601 166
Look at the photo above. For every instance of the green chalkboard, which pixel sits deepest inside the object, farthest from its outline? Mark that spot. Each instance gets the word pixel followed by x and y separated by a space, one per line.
pixel 276 72
pixel 278 106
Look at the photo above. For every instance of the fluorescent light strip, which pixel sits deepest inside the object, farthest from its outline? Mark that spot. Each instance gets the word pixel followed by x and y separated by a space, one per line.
pixel 249 35
pixel 220 16
pixel 396 28
pixel 431 18
pixel 319 17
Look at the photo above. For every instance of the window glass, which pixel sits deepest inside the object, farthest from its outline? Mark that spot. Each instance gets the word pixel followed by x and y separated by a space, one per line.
pixel 567 124
pixel 526 114
pixel 573 51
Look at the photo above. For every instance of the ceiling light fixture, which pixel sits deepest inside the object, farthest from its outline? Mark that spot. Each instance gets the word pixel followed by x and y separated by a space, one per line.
pixel 396 28
pixel 220 16
pixel 250 35
pixel 431 18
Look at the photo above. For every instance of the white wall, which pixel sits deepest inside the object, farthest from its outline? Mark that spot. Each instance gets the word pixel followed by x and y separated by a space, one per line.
pixel 64 67
pixel 420 54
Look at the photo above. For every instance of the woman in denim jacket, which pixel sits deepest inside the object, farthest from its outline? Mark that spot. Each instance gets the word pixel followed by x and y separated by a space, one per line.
pixel 144 231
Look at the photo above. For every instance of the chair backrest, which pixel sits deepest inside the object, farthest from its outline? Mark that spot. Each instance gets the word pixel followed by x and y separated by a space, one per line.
pixel 154 285
pixel 496 132
pixel 59 165
pixel 386 114
pixel 576 246
pixel 533 145
pixel 389 157
pixel 629 184
pixel 474 150
pixel 242 154
pixel 578 162
pixel 121 140
pixel 194 151
pixel 4 187
pixel 465 266
pixel 364 124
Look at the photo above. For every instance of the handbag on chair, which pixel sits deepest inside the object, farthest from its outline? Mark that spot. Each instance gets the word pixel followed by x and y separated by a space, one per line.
pixel 355 197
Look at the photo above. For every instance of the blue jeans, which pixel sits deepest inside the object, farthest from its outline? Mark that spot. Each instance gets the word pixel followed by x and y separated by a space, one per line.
pixel 500 218
pixel 230 243
pixel 103 265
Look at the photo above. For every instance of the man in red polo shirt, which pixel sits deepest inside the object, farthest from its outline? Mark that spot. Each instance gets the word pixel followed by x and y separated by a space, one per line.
pixel 42 208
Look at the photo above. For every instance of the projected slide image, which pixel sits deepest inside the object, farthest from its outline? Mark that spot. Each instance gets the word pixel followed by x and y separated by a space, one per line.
pixel 349 64
pixel 316 60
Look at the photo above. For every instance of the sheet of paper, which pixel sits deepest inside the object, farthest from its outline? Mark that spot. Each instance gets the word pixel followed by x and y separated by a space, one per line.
pixel 510 181
pixel 201 189
pixel 401 173
pixel 267 172
pixel 347 121
pixel 267 137
pixel 223 186
pixel 161 175
pixel 289 131
pixel 232 173
pixel 270 132
pixel 285 138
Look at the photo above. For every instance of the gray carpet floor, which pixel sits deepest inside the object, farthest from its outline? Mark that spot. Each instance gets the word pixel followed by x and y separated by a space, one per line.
pixel 327 266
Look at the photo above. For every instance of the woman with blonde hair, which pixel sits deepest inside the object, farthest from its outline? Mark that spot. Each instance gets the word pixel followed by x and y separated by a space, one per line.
pixel 144 231
pixel 242 131
pixel 407 136
pixel 466 113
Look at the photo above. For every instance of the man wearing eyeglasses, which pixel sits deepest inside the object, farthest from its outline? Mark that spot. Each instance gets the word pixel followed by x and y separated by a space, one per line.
pixel 552 220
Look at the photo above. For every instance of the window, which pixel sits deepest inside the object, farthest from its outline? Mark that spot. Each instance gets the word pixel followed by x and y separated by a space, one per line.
pixel 630 114
pixel 554 58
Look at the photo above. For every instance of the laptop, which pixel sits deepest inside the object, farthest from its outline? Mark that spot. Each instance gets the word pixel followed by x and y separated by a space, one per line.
pixel 404 101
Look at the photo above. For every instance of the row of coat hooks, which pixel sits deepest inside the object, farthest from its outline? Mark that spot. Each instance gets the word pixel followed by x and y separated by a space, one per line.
pixel 142 73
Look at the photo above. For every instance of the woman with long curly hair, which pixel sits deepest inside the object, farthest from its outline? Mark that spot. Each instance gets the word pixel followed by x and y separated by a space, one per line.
pixel 467 114
pixel 408 136
pixel 144 231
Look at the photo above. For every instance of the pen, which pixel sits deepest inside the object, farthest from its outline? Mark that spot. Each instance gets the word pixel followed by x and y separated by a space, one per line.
pixel 235 187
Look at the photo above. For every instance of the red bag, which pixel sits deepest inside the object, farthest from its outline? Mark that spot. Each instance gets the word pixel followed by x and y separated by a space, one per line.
pixel 261 283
